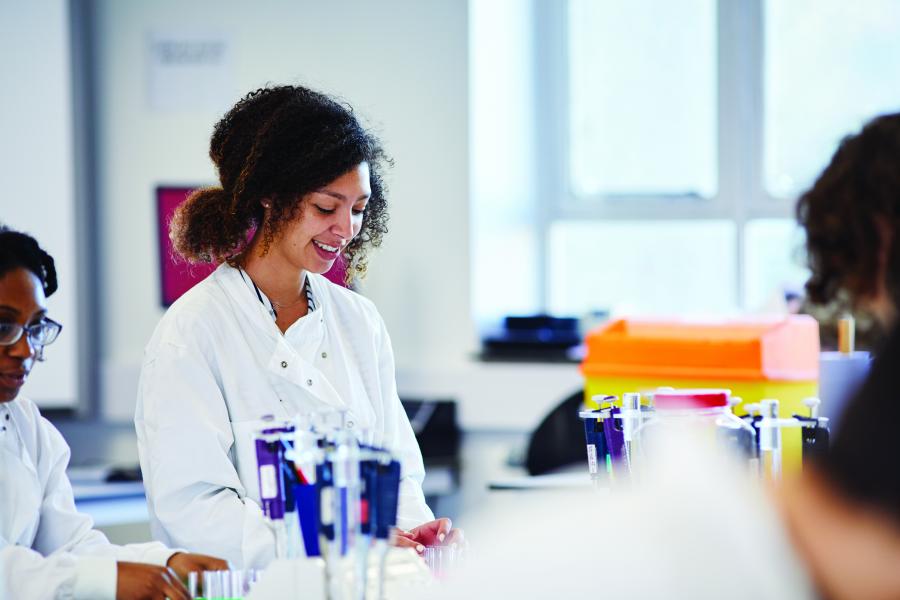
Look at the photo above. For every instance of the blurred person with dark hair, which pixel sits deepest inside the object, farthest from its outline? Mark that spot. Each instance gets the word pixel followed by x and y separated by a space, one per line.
pixel 47 548
pixel 266 333
pixel 851 216
pixel 845 513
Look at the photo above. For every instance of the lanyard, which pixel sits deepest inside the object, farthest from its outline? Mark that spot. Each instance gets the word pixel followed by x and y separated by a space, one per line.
pixel 309 297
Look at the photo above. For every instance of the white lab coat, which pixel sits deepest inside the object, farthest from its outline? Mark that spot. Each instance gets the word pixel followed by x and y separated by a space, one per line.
pixel 47 548
pixel 216 364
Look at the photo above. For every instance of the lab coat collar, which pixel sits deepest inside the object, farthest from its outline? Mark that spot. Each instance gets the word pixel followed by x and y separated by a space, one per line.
pixel 285 362
pixel 242 292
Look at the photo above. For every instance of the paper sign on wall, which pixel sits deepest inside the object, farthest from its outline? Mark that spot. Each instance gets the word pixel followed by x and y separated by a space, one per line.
pixel 190 70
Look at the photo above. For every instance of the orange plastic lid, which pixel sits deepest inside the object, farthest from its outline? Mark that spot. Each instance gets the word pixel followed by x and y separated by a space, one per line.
pixel 784 348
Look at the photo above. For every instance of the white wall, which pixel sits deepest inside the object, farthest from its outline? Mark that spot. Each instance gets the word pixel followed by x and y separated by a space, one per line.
pixel 401 63
pixel 36 170
pixel 504 169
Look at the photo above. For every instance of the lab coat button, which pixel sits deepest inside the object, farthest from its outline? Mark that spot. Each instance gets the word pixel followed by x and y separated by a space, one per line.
pixel 309 382
pixel 349 424
pixel 324 355
pixel 284 364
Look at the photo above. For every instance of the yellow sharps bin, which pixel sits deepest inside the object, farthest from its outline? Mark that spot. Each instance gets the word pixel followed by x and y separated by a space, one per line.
pixel 756 358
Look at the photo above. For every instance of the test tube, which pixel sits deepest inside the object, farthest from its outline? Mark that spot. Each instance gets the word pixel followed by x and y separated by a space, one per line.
pixel 237 584
pixel 441 559
pixel 212 588
pixel 193 584
pixel 225 583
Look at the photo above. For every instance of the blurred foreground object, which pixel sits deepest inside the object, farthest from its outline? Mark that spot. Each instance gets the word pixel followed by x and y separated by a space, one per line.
pixel 694 526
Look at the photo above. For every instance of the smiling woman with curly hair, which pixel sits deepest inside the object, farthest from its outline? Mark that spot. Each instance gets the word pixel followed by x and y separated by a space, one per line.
pixel 266 334
pixel 275 147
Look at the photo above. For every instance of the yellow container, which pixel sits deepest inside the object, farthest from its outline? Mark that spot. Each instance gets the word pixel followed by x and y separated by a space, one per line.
pixel 756 358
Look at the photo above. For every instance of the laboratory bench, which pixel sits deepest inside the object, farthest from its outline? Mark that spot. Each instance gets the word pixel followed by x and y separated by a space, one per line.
pixel 496 405
pixel 103 451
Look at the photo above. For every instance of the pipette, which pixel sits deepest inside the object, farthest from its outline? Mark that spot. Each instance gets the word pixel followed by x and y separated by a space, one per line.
pixel 269 460
pixel 383 512
pixel 816 434
pixel 596 446
pixel 631 421
pixel 615 440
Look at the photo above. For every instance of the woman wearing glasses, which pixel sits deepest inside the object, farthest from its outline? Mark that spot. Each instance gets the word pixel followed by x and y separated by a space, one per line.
pixel 267 333
pixel 48 549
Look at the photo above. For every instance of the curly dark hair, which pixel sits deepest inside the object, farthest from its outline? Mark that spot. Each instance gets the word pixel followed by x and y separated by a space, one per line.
pixel 279 143
pixel 851 212
pixel 21 251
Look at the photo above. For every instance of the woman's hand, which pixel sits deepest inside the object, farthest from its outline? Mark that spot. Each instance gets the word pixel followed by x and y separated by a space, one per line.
pixel 139 581
pixel 185 563
pixel 433 533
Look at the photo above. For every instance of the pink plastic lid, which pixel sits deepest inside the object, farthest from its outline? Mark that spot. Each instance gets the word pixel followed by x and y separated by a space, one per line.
pixel 675 399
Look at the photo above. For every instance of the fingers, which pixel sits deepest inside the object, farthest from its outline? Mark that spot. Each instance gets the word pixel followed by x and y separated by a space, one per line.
pixel 211 563
pixel 180 561
pixel 184 563
pixel 456 536
pixel 432 532
pixel 140 580
pixel 444 526
pixel 406 542
pixel 172 586
pixel 403 533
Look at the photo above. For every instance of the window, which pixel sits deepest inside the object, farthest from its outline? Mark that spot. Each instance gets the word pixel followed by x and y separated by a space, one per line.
pixel 642 98
pixel 830 66
pixel 654 149
pixel 598 263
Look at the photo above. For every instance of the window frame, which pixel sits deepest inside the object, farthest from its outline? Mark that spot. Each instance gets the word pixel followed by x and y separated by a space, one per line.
pixel 741 195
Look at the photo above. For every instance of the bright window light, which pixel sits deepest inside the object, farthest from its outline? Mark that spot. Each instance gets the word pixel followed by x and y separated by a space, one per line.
pixel 643 267
pixel 830 65
pixel 642 94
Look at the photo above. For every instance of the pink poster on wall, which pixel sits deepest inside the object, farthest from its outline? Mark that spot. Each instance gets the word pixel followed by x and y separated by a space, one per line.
pixel 178 276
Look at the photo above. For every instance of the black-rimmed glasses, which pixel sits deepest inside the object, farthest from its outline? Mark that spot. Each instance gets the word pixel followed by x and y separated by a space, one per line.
pixel 39 335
